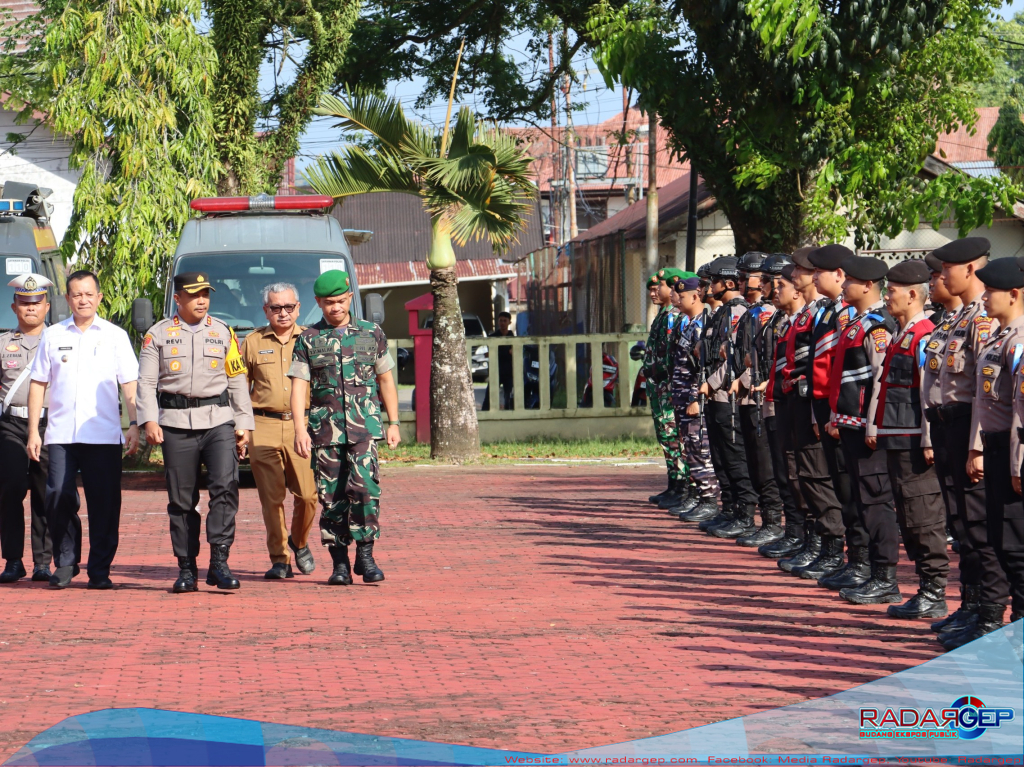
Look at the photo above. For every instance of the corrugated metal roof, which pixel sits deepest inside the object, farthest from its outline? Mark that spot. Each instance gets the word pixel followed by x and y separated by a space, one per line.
pixel 416 272
pixel 401 231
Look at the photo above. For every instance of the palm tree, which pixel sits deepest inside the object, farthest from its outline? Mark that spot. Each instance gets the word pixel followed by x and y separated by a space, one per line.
pixel 475 186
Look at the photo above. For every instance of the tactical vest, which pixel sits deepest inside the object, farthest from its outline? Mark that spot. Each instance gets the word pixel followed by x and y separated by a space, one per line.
pixel 774 392
pixel 852 374
pixel 829 324
pixel 720 333
pixel 798 347
pixel 898 416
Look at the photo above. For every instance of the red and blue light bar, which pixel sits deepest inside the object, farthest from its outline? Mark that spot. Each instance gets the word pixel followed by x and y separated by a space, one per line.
pixel 262 202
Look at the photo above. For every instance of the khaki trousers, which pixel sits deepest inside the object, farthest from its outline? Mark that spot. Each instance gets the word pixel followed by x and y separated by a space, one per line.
pixel 276 467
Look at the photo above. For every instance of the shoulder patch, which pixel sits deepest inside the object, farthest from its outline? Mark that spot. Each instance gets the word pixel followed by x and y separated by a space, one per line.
pixel 878 335
pixel 147 340
pixel 984 326
pixel 233 363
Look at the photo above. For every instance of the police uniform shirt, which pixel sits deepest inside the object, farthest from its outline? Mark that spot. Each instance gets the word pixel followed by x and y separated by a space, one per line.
pixel 196 362
pixel 1016 443
pixel 998 360
pixel 935 358
pixel 724 329
pixel 956 370
pixel 268 361
pixel 17 351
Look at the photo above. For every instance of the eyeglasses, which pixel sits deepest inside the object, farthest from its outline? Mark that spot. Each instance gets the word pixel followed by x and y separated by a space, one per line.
pixel 278 308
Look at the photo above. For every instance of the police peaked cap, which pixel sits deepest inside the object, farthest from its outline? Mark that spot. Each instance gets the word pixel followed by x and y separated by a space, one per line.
pixel 775 263
pixel 1002 274
pixel 830 257
pixel 934 264
pixel 963 251
pixel 800 256
pixel 864 268
pixel 910 272
pixel 752 261
pixel 724 267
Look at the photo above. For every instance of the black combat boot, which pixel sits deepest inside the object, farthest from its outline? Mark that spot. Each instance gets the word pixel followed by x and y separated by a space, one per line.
pixel 724 516
pixel 788 545
pixel 688 498
pixel 928 602
pixel 342 575
pixel 706 508
pixel 365 566
pixel 990 618
pixel 880 589
pixel 807 553
pixel 829 560
pixel 187 570
pixel 219 574
pixel 742 524
pixel 769 531
pixel 14 571
pixel 655 498
pixel 41 573
pixel 676 493
pixel 970 599
pixel 855 573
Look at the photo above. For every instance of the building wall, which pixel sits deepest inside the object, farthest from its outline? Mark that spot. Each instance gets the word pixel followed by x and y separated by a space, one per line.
pixel 41 160
pixel 474 297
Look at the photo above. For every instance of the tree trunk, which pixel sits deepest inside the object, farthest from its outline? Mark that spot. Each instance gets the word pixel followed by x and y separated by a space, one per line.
pixel 454 433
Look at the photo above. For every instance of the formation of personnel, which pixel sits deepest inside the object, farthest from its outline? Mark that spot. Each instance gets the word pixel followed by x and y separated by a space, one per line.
pixel 207 400
pixel 852 406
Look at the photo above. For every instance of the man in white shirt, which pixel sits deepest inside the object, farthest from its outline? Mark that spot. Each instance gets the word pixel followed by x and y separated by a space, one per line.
pixel 83 360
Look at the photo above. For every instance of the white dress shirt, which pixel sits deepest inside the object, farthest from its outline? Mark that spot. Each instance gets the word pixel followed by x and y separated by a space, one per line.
pixel 83 370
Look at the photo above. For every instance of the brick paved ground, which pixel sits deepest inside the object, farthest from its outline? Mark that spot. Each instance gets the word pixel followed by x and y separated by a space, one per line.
pixel 541 608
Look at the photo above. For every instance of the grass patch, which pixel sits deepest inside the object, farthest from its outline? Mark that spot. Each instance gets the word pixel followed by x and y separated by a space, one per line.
pixel 498 452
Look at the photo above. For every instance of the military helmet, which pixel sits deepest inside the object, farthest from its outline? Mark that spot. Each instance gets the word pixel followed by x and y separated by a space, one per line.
pixel 751 261
pixel 775 263
pixel 724 267
pixel 704 271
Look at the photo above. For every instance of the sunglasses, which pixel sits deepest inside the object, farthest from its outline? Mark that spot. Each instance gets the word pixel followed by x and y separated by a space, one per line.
pixel 278 308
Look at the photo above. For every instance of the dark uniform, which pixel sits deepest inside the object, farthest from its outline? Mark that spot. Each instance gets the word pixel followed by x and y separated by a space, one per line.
pixel 192 382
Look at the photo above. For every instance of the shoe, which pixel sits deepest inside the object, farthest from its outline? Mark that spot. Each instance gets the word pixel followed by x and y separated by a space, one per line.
pixel 187 578
pixel 690 499
pixel 62 576
pixel 14 571
pixel 365 566
pixel 723 517
pixel 807 553
pixel 1016 616
pixel 855 573
pixel 219 574
pixel 41 573
pixel 769 532
pixel 880 589
pixel 742 525
pixel 674 496
pixel 970 599
pixel 303 558
pixel 990 618
pixel 788 545
pixel 705 509
pixel 278 572
pixel 100 584
pixel 828 561
pixel 928 602
pixel 655 498
pixel 342 575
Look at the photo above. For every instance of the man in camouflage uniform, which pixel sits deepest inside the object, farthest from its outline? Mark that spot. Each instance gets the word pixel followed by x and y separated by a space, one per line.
pixel 346 362
pixel 657 366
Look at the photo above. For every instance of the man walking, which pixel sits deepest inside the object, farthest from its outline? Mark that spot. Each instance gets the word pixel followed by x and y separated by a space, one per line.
pixel 345 362
pixel 276 467
pixel 82 360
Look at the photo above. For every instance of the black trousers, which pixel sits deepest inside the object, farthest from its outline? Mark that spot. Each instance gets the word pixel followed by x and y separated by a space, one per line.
pixel 938 434
pixel 812 470
pixel 869 480
pixel 728 444
pixel 920 511
pixel 184 451
pixel 782 461
pixel 100 466
pixel 759 461
pixel 1005 514
pixel 979 564
pixel 850 521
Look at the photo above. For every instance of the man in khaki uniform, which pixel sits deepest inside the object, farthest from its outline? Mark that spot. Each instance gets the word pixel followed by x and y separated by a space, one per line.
pixel 277 468
pixel 194 400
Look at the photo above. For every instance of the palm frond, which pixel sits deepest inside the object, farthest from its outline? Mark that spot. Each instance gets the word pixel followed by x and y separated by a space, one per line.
pixel 360 109
pixel 462 133
pixel 350 171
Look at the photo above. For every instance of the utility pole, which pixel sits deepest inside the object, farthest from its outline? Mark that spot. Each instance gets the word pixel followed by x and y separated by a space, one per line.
pixel 652 203
pixel 627 148
pixel 553 202
pixel 691 223
pixel 570 141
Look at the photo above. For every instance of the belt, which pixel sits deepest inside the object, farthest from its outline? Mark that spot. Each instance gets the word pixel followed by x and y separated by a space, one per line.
pixel 22 412
pixel 954 410
pixel 996 438
pixel 181 402
pixel 287 416
pixel 931 414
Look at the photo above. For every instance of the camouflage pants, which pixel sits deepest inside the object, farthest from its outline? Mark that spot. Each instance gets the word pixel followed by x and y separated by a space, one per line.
pixel 697 453
pixel 347 483
pixel 665 430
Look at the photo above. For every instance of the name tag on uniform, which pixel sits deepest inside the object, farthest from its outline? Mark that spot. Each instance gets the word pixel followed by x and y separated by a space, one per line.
pixel 65 348
pixel 266 351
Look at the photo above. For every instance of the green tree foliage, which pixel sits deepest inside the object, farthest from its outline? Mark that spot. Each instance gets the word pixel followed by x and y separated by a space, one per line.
pixel 810 120
pixel 128 84
pixel 1004 40
pixel 476 185
pixel 1006 139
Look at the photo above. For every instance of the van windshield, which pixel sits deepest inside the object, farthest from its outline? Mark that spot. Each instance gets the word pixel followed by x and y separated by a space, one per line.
pixel 239 278
pixel 13 266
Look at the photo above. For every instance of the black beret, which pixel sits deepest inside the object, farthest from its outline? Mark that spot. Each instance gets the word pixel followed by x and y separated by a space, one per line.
pixel 910 272
pixel 800 256
pixel 933 263
pixel 963 251
pixel 864 268
pixel 724 266
pixel 787 272
pixel 1002 274
pixel 829 257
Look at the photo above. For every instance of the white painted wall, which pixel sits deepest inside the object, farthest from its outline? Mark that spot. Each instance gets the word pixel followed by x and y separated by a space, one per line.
pixel 41 160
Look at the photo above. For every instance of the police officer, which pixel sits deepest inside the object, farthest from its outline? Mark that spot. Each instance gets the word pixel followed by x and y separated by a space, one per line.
pixel 194 401
pixel 342 364
pixel 902 432
pixel 978 563
pixel 21 475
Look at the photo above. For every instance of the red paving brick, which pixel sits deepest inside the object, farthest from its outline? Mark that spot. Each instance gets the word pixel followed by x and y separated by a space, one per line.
pixel 540 608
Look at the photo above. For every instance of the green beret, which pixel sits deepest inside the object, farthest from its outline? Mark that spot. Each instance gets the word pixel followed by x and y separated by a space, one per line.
pixel 669 274
pixel 687 275
pixel 652 281
pixel 331 283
